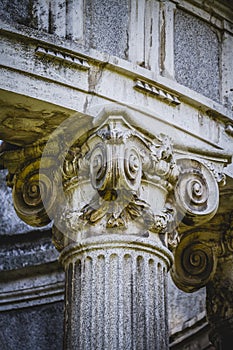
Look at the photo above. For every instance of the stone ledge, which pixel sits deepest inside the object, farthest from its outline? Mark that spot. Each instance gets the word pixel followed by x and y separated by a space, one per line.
pixel 30 249
pixel 193 334
pixel 112 63
pixel 32 286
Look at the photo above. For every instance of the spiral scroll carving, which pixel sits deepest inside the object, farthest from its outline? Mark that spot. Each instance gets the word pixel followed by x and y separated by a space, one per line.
pixel 196 193
pixel 132 168
pixel 98 166
pixel 195 264
pixel 113 168
pixel 34 194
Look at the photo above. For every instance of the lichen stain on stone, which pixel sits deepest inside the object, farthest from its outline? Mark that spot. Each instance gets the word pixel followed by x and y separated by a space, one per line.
pixel 162 43
pixel 23 124
pixel 95 75
pixel 19 121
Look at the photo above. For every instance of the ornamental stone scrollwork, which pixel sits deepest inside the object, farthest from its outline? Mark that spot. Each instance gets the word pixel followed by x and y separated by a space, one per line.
pixel 195 260
pixel 123 181
pixel 197 193
pixel 115 179
pixel 201 253
pixel 32 184
pixel 197 198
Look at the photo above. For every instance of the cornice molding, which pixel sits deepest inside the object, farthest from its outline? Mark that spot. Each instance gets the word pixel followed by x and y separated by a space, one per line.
pixel 128 69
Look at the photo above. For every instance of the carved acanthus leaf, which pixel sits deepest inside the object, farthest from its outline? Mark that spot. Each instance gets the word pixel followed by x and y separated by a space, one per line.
pixel 116 213
pixel 217 171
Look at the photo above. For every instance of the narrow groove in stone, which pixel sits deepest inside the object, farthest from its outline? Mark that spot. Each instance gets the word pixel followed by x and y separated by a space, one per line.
pixel 121 287
pixel 134 304
pixel 127 301
pixel 147 304
pixel 76 295
pixel 156 306
pixel 86 303
pixel 93 305
pixel 99 288
pixel 68 309
pixel 160 301
pixel 151 306
pixel 166 340
pixel 141 303
pixel 106 298
pixel 114 301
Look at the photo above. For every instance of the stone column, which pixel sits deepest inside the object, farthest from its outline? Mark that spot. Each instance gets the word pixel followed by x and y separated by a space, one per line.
pixel 115 195
pixel 203 258
pixel 116 294
pixel 112 236
pixel 219 298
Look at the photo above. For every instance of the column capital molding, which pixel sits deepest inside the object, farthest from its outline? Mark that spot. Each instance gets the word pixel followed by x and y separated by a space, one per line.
pixel 112 177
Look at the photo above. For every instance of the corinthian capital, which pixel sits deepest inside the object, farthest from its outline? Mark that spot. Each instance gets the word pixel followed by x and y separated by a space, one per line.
pixel 110 178
pixel 117 181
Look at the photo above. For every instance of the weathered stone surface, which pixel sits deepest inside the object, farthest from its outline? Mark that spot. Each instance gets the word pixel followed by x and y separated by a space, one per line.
pixel 197 55
pixel 16 11
pixel 22 250
pixel 9 221
pixel 219 299
pixel 106 26
pixel 37 328
pixel 183 307
pixel 116 294
pixel 35 119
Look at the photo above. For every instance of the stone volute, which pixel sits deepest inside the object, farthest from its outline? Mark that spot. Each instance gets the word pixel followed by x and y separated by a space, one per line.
pixel 124 205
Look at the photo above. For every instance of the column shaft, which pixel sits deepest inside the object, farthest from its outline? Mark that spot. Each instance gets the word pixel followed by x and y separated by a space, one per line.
pixel 220 305
pixel 116 296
